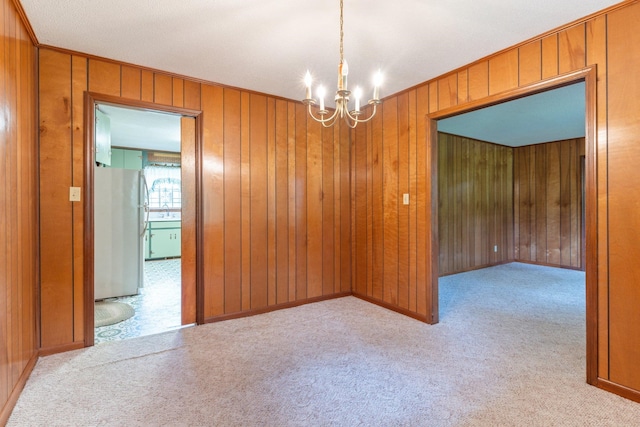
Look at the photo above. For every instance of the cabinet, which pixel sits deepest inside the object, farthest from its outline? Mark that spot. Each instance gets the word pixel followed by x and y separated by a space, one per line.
pixel 103 138
pixel 163 240
pixel 126 159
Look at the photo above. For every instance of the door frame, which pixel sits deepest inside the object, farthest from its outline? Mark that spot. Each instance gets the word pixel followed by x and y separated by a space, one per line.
pixel 90 99
pixel 589 77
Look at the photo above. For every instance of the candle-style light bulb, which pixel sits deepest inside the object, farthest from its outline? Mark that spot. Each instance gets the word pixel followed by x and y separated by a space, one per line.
pixel 377 81
pixel 343 72
pixel 321 92
pixel 307 83
pixel 357 94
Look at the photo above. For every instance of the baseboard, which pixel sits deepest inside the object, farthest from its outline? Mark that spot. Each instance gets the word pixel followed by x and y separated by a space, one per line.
pixel 61 348
pixel 15 393
pixel 403 311
pixel 479 267
pixel 620 390
pixel 546 264
pixel 271 308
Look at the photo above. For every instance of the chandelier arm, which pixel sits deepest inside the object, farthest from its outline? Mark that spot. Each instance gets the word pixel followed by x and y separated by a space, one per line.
pixel 356 120
pixel 322 119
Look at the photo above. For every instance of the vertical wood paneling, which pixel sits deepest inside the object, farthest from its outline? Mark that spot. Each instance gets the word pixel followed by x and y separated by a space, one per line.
pixel 232 203
pixel 282 201
pixel 597 54
pixel 540 182
pixel 478 81
pixel 463 86
pixel 78 86
pixel 530 64
pixel 104 77
pixel 553 204
pixel 549 202
pixel 301 201
pixel 503 72
pixel 571 48
pixel 433 97
pixel 18 197
pixel 162 89
pixel 258 198
pixel 271 202
pixel 447 91
pixel 345 210
pixel 328 212
pixel 131 81
pixel 361 244
pixel 188 312
pixel 192 95
pixel 377 211
pixel 245 194
pixel 56 228
pixel 472 217
pixel 422 256
pixel 403 210
pixel 291 196
pixel 413 195
pixel 549 56
pixel 368 208
pixel 146 86
pixel 178 92
pixel 337 212
pixel 213 199
pixel 624 222
pixel 390 200
pixel 314 209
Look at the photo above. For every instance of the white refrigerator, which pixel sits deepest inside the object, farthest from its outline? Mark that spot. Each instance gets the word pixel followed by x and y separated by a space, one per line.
pixel 119 225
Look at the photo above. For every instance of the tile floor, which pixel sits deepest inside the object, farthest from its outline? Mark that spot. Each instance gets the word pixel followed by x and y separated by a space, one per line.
pixel 157 306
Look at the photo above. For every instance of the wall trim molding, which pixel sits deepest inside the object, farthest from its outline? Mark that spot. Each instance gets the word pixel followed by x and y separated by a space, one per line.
pixel 89 156
pixel 5 413
pixel 276 307
pixel 589 76
pixel 25 21
pixel 391 307
pixel 618 389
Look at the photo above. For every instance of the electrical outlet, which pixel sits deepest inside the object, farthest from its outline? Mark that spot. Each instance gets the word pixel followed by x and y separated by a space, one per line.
pixel 74 194
pixel 405 199
pixel 495 248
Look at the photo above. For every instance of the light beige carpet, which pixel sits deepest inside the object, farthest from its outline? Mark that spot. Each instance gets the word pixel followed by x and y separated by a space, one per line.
pixel 509 351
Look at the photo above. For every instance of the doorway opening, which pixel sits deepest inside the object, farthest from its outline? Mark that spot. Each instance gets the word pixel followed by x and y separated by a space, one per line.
pixel 137 223
pixel 502 249
pixel 140 242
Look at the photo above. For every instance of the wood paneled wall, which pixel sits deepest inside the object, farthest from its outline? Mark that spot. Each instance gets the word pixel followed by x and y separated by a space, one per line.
pixel 623 153
pixel 276 195
pixel 389 162
pixel 391 242
pixel 475 204
pixel 548 203
pixel 602 40
pixel 18 208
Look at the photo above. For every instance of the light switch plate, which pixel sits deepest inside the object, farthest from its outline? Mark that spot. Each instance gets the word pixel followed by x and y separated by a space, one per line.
pixel 405 199
pixel 74 194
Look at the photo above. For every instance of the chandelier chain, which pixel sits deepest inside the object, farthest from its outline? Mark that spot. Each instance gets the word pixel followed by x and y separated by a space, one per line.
pixel 341 33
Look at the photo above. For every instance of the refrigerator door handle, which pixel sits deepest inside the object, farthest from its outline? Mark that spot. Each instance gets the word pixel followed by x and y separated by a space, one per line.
pixel 145 204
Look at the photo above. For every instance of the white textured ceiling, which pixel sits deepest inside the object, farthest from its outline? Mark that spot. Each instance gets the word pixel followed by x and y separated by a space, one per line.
pixel 143 130
pixel 267 45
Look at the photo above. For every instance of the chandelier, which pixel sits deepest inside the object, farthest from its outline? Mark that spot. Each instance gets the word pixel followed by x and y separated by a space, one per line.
pixel 353 117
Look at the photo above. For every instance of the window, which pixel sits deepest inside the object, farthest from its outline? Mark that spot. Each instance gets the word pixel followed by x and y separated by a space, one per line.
pixel 165 187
